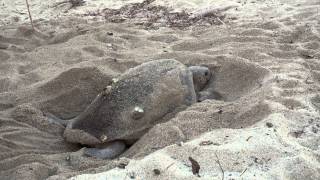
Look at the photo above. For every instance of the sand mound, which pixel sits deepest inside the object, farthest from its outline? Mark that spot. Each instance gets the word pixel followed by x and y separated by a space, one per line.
pixel 70 92
pixel 261 119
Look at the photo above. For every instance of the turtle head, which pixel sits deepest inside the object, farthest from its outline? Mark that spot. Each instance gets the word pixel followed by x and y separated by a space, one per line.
pixel 201 76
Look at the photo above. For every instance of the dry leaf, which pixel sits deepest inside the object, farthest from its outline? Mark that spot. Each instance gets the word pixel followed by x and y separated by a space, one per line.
pixel 195 166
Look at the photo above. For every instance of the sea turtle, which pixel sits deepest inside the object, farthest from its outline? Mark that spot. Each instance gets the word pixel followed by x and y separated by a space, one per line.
pixel 134 103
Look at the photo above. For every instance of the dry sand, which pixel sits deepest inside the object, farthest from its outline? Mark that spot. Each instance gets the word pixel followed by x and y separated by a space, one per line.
pixel 264 124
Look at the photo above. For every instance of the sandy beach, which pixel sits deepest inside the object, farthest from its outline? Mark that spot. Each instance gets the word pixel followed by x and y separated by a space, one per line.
pixel 264 55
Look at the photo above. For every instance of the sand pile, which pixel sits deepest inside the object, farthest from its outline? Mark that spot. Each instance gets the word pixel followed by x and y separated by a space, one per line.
pixel 261 122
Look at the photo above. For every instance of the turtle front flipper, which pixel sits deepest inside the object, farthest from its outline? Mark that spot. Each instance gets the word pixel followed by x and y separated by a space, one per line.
pixel 109 151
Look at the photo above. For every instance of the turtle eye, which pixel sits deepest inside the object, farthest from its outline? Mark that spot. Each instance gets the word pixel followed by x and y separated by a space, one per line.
pixel 206 73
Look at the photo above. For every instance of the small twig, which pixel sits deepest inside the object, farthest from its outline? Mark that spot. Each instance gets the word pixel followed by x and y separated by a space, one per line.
pixel 59 3
pixel 218 161
pixel 210 11
pixel 243 172
pixel 29 14
pixel 249 138
pixel 169 166
pixel 221 21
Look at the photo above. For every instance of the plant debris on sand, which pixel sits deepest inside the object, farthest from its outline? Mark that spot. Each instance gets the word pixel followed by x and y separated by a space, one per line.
pixel 155 16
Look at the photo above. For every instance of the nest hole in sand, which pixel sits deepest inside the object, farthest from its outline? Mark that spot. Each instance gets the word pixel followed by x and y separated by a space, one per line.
pixel 235 79
pixel 234 99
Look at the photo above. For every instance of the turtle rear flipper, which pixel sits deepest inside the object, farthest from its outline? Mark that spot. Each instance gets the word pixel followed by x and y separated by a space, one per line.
pixel 110 151
pixel 54 119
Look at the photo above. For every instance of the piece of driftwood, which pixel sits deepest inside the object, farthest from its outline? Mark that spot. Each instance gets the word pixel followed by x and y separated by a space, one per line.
pixel 210 11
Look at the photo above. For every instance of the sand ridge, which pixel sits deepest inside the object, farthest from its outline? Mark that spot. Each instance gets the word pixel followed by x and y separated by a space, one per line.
pixel 263 125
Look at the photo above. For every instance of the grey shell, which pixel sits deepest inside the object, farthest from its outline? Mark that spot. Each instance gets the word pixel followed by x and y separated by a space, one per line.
pixel 139 98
